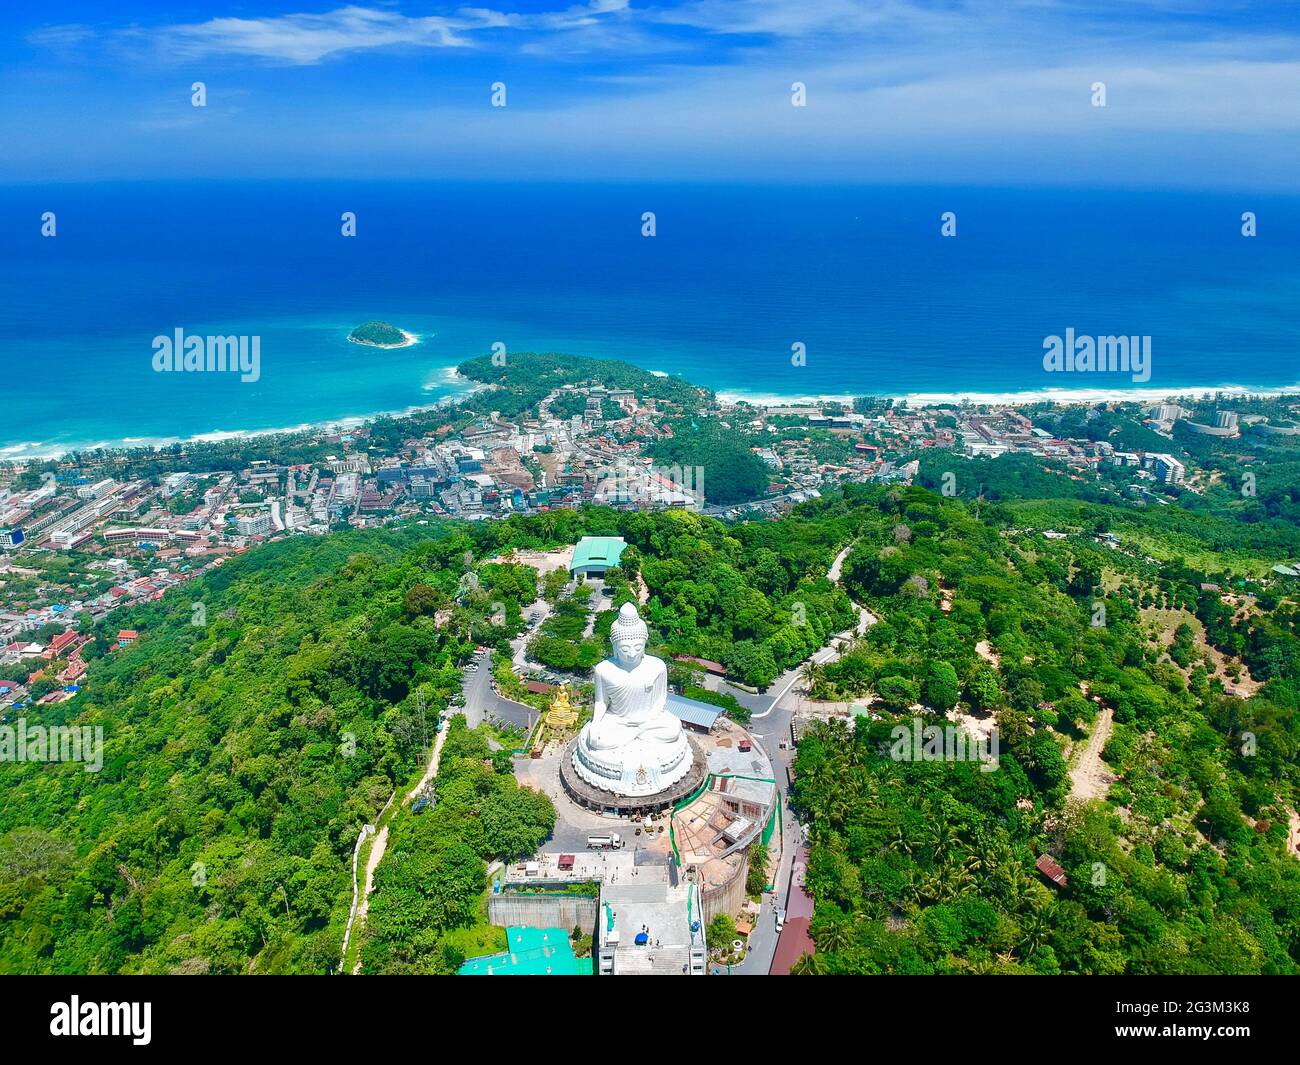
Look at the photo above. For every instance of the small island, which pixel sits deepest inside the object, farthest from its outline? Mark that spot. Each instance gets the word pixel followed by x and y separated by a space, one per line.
pixel 382 335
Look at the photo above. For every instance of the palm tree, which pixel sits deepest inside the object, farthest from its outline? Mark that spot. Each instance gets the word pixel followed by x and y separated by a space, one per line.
pixel 834 937
pixel 900 844
pixel 861 784
pixel 927 886
pixel 942 837
pixel 808 965
pixel 1016 885
pixel 838 807
pixel 1034 929
pixel 955 880
pixel 812 675
pixel 988 856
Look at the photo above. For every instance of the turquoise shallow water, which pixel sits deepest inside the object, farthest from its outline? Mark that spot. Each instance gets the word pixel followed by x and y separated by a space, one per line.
pixel 732 279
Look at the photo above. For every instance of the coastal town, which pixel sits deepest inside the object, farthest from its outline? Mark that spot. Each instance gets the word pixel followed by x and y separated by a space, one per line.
pixel 88 534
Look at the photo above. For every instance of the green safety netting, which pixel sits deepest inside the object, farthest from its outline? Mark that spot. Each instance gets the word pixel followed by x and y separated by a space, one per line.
pixel 708 783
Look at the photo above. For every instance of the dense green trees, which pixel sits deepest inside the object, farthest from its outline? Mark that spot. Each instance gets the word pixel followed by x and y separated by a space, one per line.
pixel 560 642
pixel 731 472
pixel 928 866
pixel 430 885
pixel 242 756
pixel 528 377
pixel 941 689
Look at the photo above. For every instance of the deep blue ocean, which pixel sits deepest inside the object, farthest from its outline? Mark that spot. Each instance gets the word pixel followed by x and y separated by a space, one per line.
pixel 732 278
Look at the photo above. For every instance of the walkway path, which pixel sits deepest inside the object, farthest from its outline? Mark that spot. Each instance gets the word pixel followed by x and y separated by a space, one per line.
pixel 1090 779
pixel 380 843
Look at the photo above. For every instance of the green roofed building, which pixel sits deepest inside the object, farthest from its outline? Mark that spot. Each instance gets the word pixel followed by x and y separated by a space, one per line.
pixel 531 952
pixel 593 555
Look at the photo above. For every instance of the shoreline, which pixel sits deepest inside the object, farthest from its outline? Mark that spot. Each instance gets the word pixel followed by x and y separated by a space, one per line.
pixel 26 452
pixel 409 341
pixel 39 451
pixel 1021 398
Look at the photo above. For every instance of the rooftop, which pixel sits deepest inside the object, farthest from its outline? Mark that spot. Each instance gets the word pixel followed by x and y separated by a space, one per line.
pixel 530 952
pixel 694 712
pixel 598 551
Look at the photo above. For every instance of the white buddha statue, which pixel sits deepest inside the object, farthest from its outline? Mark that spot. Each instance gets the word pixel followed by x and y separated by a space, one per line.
pixel 633 745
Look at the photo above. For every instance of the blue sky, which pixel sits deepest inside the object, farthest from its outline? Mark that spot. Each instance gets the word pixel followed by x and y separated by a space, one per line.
pixel 1201 94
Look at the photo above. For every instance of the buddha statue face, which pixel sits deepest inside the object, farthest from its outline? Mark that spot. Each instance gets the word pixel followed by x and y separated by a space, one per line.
pixel 629 650
pixel 628 637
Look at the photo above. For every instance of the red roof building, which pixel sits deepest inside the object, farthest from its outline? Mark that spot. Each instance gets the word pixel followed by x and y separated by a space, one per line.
pixel 1050 869
pixel 60 643
pixel 795 941
pixel 716 668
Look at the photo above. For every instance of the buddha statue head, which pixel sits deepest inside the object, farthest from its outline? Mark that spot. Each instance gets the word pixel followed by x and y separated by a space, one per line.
pixel 628 637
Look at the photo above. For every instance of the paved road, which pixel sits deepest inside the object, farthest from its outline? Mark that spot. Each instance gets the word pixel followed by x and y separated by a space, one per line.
pixel 772 712
pixel 539 612
pixel 481 702
pixel 770 726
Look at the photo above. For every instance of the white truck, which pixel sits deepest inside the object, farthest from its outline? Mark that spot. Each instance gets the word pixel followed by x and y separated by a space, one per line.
pixel 609 842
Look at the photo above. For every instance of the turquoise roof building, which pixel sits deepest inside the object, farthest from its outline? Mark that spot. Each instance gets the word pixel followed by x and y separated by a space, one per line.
pixel 593 555
pixel 532 952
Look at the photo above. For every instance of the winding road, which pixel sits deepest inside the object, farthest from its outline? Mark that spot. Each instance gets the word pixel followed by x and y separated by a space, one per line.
pixel 770 726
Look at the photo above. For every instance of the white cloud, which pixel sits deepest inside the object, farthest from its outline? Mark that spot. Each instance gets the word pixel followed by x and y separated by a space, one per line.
pixel 981 90
pixel 303 38
pixel 310 38
pixel 792 19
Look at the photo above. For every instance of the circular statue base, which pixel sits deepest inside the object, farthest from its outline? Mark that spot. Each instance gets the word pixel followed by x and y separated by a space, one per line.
pixel 594 798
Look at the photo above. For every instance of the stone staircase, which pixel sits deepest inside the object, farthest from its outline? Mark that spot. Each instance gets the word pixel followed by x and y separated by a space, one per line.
pixel 668 961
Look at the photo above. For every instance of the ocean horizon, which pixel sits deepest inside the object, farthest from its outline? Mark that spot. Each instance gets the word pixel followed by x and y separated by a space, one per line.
pixel 732 280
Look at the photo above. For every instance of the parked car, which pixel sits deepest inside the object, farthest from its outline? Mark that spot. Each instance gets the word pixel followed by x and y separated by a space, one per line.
pixel 780 919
